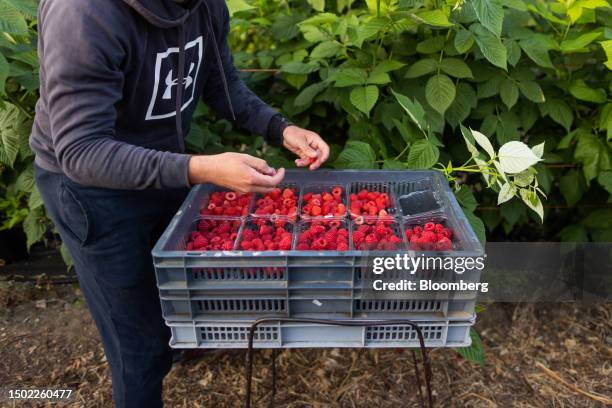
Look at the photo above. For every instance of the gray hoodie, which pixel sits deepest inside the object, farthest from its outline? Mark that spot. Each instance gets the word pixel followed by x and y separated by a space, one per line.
pixel 113 109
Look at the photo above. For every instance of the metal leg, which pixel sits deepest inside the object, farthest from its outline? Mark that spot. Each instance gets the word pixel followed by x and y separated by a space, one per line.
pixel 425 358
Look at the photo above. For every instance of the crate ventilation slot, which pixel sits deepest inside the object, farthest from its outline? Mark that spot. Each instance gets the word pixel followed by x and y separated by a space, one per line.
pixel 252 273
pixel 395 333
pixel 241 305
pixel 398 305
pixel 238 333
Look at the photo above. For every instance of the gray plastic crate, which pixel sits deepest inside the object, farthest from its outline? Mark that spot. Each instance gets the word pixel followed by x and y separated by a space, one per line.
pixel 239 286
pixel 234 334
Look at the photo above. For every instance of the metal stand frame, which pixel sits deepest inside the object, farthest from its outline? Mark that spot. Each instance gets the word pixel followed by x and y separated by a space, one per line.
pixel 370 323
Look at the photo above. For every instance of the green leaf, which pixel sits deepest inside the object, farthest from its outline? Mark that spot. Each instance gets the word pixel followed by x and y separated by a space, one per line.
pixel 423 155
pixel 607 47
pixel 605 180
pixel 490 46
pixel 326 49
pixel 483 142
pixel 34 228
pixel 421 67
pixel 434 17
pixel 285 28
pixel 393 165
pixel 490 14
pixel 477 226
pixel 307 94
pixel 235 6
pixel 379 78
pixel 592 153
pixel 460 109
pixel 464 40
pixel 571 187
pixel 537 51
pixel 4 72
pixel 580 90
pixel 296 67
pixel 431 45
pixel 466 198
pixel 9 134
pixel 532 91
pixel 456 68
pixel 364 98
pixel 356 155
pixel 599 219
pixel 318 5
pixel 66 256
pixel 35 200
pixel 513 51
pixel 509 93
pixel 413 108
pixel 440 92
pixel 559 111
pixel 475 352
pixel 349 77
pixel 506 193
pixel 387 66
pixel 11 20
pixel 531 199
pixel 578 43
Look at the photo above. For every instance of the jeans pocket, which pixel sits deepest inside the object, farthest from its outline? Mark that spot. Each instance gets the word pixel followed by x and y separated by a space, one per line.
pixel 73 214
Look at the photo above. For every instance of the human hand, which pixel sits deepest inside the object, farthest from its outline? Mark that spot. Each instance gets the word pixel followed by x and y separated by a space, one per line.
pixel 309 146
pixel 236 171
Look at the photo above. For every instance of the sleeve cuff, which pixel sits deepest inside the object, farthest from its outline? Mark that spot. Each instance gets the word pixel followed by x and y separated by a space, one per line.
pixel 276 127
pixel 174 170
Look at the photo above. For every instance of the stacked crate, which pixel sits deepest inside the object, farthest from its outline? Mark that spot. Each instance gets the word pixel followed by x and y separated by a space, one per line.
pixel 210 298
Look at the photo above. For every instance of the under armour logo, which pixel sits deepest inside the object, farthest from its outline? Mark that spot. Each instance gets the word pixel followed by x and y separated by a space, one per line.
pixel 173 82
pixel 167 77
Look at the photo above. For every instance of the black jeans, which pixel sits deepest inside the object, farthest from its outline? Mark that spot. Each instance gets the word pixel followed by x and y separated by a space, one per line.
pixel 110 234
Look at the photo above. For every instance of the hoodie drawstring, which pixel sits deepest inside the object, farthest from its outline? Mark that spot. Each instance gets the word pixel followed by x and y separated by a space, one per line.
pixel 180 86
pixel 179 89
pixel 219 60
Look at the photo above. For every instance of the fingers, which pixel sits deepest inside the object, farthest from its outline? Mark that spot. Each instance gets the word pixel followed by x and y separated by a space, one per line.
pixel 322 152
pixel 260 165
pixel 264 181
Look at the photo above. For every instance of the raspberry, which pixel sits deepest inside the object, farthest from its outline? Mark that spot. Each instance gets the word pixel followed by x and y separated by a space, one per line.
pixel 342 247
pixel 303 247
pixel 323 204
pixel 246 245
pixel 278 201
pixel 371 240
pixel 444 244
pixel 380 230
pixel 371 203
pixel 429 236
pixel 320 243
pixel 439 228
pixel 226 203
pixel 228 245
pixel 214 235
pixel 430 226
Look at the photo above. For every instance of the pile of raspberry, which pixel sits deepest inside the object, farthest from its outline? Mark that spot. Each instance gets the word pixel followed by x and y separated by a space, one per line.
pixel 375 236
pixel 227 203
pixel 266 235
pixel 369 203
pixel 430 237
pixel 324 204
pixel 279 202
pixel 214 235
pixel 323 235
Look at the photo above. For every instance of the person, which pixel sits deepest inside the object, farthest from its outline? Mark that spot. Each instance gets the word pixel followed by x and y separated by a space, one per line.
pixel 120 80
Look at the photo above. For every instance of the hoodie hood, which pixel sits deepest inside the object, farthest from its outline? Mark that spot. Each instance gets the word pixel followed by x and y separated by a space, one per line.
pixel 163 13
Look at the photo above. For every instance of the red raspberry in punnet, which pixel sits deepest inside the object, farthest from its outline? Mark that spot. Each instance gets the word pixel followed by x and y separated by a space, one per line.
pixel 323 235
pixel 265 234
pixel 369 203
pixel 379 235
pixel 429 236
pixel 327 203
pixel 228 203
pixel 213 235
pixel 280 201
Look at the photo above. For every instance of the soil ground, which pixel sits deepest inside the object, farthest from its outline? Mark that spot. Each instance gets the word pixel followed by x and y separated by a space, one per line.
pixel 537 355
